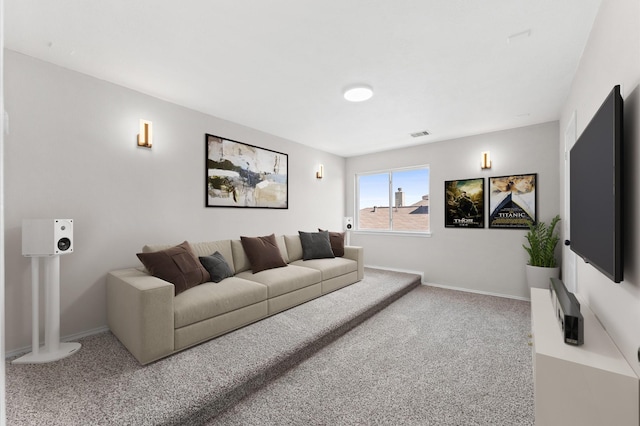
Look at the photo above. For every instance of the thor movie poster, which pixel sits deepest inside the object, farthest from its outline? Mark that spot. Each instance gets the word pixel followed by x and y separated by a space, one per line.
pixel 464 203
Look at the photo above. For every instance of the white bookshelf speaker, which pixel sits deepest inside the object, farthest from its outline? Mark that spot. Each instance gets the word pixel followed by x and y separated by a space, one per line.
pixel 348 223
pixel 46 240
pixel 47 237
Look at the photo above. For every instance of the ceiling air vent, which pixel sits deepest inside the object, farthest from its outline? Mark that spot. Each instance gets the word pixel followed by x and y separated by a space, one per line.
pixel 419 134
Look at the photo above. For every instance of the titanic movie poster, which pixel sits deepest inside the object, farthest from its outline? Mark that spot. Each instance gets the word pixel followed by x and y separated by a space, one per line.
pixel 512 201
pixel 464 203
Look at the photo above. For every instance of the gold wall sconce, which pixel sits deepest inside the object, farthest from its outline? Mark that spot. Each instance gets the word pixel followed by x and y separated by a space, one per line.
pixel 145 137
pixel 320 172
pixel 486 160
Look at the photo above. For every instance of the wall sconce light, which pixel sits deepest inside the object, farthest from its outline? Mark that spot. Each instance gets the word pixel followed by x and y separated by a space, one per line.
pixel 145 137
pixel 486 160
pixel 320 172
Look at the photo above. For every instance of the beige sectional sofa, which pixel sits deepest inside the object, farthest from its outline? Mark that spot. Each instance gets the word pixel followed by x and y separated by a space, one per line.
pixel 152 322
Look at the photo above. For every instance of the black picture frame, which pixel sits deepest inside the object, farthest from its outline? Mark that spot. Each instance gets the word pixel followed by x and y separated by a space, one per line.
pixel 464 203
pixel 241 175
pixel 513 201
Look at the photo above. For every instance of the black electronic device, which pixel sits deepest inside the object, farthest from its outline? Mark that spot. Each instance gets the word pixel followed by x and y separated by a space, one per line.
pixel 567 311
pixel 596 190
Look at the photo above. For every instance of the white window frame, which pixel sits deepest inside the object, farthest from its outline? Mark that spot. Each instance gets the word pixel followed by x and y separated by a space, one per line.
pixel 426 233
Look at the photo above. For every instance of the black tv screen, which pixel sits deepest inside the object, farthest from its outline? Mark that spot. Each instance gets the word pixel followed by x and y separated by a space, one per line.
pixel 595 192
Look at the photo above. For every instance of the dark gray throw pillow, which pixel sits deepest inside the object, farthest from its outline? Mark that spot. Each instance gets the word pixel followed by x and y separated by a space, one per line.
pixel 337 242
pixel 217 266
pixel 315 245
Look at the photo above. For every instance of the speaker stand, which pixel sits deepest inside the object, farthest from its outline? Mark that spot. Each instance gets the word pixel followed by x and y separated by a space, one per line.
pixel 53 349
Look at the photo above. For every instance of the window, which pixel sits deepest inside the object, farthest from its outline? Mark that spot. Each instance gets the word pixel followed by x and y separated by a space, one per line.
pixel 394 200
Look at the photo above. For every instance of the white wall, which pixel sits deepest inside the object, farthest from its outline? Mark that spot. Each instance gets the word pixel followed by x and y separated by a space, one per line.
pixel 71 153
pixel 483 260
pixel 612 56
pixel 3 405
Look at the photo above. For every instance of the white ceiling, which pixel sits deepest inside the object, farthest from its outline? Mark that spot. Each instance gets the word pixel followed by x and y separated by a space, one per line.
pixel 280 66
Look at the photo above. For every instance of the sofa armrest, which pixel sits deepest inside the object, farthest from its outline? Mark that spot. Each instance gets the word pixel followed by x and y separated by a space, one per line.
pixel 140 313
pixel 356 253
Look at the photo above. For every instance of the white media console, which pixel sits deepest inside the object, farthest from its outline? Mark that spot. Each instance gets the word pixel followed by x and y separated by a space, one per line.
pixel 591 384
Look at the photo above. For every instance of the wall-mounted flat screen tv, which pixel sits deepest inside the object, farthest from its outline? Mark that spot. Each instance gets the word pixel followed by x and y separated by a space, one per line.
pixel 596 192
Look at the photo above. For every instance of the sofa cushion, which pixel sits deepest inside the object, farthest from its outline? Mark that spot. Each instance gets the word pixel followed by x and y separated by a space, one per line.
pixel 284 280
pixel 177 265
pixel 212 299
pixel 294 247
pixel 282 247
pixel 315 245
pixel 330 268
pixel 217 266
pixel 263 252
pixel 337 242
pixel 201 249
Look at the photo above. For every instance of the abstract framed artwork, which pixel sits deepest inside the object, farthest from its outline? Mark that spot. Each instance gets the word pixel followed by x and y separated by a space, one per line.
pixel 464 203
pixel 512 201
pixel 243 175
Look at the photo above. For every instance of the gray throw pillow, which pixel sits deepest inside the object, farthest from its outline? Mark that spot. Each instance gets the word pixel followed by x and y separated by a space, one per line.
pixel 217 266
pixel 315 245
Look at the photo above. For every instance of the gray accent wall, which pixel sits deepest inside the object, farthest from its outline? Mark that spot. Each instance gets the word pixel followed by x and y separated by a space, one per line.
pixel 480 260
pixel 72 153
pixel 611 57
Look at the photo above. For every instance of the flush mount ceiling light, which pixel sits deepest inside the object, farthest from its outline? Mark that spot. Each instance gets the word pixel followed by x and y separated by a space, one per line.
pixel 358 93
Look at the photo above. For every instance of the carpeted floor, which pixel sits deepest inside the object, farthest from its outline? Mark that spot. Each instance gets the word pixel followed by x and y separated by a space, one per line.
pixel 102 384
pixel 433 356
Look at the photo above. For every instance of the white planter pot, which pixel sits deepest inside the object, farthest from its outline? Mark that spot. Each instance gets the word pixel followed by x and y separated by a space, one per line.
pixel 539 276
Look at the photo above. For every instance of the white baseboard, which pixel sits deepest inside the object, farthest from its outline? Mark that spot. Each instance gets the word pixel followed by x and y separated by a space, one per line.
pixel 466 290
pixel 486 293
pixel 68 338
pixel 406 271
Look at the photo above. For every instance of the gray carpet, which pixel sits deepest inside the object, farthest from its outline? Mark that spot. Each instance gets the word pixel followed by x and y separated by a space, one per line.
pixel 102 384
pixel 434 357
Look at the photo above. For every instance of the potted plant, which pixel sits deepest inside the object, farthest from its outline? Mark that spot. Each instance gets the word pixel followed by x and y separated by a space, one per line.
pixel 542 264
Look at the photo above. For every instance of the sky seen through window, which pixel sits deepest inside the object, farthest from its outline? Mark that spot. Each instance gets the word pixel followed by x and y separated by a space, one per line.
pixel 374 189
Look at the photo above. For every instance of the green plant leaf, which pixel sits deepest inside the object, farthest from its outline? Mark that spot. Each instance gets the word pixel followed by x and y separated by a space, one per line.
pixel 542 240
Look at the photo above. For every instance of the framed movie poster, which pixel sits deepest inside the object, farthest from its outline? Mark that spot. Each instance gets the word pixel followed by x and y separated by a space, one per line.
pixel 464 203
pixel 512 201
pixel 243 175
